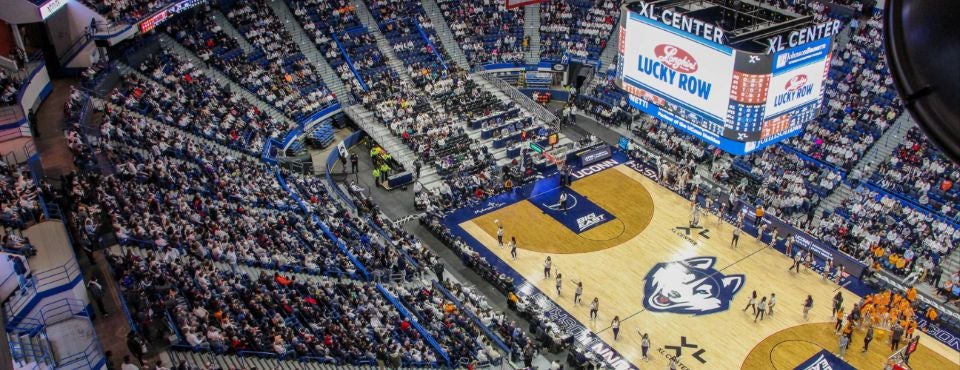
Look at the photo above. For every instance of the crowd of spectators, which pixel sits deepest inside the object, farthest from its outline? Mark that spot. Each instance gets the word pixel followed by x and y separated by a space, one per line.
pixel 195 102
pixel 421 56
pixel 790 186
pixel 327 22
pixel 19 205
pixel 576 28
pixel 198 198
pixel 457 335
pixel 230 312
pixel 880 230
pixel 861 102
pixel 9 86
pixel 487 31
pixel 281 77
pixel 918 170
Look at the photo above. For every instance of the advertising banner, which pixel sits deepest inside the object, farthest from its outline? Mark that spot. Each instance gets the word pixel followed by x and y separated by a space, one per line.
pixel 687 71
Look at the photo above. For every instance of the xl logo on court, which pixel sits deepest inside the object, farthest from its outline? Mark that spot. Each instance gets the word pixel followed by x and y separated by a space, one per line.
pixel 691 286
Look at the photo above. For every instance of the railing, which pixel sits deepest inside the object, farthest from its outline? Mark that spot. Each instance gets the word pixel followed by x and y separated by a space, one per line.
pixel 525 102
pixel 75 48
pixel 21 155
pixel 473 317
pixel 91 357
pixel 416 325
pixel 40 282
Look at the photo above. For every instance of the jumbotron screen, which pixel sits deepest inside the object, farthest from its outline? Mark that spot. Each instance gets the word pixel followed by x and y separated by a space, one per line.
pixel 678 70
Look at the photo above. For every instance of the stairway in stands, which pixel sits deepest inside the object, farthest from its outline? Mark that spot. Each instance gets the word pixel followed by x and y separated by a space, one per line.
pixel 609 53
pixel 879 152
pixel 442 28
pixel 531 28
pixel 380 133
pixel 882 149
pixel 607 57
pixel 309 49
pixel 221 20
pixel 30 350
pixel 170 44
pixel 393 61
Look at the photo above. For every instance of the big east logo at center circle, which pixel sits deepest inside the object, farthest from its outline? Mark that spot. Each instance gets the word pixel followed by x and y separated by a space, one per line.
pixel 675 66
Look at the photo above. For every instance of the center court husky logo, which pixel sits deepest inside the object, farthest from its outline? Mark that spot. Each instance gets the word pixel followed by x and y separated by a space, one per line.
pixel 691 286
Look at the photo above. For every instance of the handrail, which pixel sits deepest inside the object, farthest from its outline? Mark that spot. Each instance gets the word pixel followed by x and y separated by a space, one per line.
pixel 41 280
pixel 91 357
pixel 346 57
pixel 75 48
pixel 416 325
pixel 433 47
pixel 473 317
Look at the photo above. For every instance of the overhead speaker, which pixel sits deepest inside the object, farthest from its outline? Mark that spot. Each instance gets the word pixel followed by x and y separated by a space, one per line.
pixel 922 41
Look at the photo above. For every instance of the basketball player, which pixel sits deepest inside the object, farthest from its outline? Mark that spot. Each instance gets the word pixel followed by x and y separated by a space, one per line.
pixel 838 275
pixel 615 324
pixel 513 248
pixel 546 267
pixel 645 346
pixel 563 202
pixel 578 293
pixel 594 307
pixel 827 266
pixel 752 304
pixel 840 317
pixel 773 238
pixel 736 236
pixel 761 309
pixel 500 235
pixel 559 282
pixel 809 261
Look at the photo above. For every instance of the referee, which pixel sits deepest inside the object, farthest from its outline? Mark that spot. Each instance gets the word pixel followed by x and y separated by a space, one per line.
pixel 563 202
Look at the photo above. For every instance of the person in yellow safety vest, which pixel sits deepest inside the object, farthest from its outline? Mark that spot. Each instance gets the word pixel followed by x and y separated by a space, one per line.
pixel 384 170
pixel 376 176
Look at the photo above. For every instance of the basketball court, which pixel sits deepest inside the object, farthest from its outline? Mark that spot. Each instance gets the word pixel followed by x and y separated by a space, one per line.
pixel 628 240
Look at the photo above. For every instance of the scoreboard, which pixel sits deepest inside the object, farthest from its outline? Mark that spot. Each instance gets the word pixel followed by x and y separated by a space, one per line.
pixel 680 72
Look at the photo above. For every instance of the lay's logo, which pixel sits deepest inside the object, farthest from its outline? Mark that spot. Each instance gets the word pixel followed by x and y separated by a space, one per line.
pixel 796 82
pixel 675 58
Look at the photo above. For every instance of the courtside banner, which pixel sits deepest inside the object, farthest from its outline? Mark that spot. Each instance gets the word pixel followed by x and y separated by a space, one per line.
pixel 678 66
pixel 824 360
pixel 802 240
pixel 518 3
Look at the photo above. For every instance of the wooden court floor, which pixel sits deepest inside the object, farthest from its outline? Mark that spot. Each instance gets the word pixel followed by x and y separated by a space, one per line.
pixel 613 259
